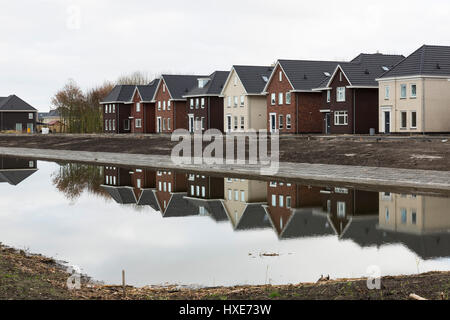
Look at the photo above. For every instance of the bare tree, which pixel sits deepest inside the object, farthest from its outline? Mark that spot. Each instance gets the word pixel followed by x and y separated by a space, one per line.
pixel 135 78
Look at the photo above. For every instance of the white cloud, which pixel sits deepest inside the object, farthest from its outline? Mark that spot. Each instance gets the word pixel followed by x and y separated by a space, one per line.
pixel 38 52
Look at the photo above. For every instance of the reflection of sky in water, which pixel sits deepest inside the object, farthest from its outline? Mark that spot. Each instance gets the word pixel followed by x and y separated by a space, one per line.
pixel 103 237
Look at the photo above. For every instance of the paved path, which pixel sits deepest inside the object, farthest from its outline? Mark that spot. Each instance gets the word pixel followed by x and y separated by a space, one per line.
pixel 420 179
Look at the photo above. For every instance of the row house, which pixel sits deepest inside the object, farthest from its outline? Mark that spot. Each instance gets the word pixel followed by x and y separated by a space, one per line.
pixel 205 105
pixel 350 95
pixel 143 113
pixel 292 106
pixel 171 105
pixel 17 115
pixel 244 203
pixel 414 96
pixel 117 107
pixel 244 105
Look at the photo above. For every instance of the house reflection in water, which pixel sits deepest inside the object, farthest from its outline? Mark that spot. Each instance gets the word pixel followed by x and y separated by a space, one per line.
pixel 422 223
pixel 243 203
pixel 15 170
pixel 206 194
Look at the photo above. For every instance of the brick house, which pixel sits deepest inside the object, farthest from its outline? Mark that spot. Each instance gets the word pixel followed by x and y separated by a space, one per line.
pixel 17 115
pixel 350 96
pixel 205 105
pixel 143 111
pixel 170 105
pixel 117 109
pixel 292 104
pixel 283 199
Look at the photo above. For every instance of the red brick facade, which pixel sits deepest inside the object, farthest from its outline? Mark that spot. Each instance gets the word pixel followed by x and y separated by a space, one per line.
pixel 164 110
pixel 360 104
pixel 116 118
pixel 303 109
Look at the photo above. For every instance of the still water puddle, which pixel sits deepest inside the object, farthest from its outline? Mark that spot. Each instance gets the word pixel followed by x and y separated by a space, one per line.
pixel 179 228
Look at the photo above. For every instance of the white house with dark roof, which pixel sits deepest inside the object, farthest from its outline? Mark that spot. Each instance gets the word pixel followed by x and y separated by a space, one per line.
pixel 414 96
pixel 17 115
pixel 244 103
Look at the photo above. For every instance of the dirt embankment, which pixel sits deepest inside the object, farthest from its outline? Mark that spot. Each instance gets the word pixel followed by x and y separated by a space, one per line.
pixel 429 153
pixel 26 276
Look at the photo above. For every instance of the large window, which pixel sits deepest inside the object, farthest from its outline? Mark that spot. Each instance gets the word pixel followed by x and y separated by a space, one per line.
pixel 340 118
pixel 413 91
pixel 413 119
pixel 273 99
pixel 403 119
pixel 387 92
pixel 403 91
pixel 340 94
pixel 288 98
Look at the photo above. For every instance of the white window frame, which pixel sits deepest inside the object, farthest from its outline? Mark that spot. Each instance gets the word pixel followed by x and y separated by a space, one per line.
pixel 340 94
pixel 403 88
pixel 280 76
pixel 273 99
pixel 413 95
pixel 288 122
pixel 328 96
pixel 242 100
pixel 413 127
pixel 202 103
pixel 288 98
pixel 280 121
pixel 159 105
pixel 403 127
pixel 280 98
pixel 138 107
pixel 338 115
pixel 138 123
pixel 387 92
pixel 192 104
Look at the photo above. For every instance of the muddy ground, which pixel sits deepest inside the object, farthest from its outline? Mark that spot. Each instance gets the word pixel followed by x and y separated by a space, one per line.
pixel 25 276
pixel 421 152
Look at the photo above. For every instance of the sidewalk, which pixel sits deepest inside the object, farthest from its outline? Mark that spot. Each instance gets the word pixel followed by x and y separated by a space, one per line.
pixel 370 176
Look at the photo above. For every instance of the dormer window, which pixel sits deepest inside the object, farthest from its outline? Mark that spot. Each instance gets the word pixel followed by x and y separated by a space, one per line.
pixel 327 74
pixel 202 83
pixel 385 68
pixel 265 79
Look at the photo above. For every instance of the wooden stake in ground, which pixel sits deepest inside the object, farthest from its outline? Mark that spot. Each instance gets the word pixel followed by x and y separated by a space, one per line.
pixel 124 284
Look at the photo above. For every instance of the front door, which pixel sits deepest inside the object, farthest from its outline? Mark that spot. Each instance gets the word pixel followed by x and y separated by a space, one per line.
pixel 30 128
pixel 273 121
pixel 158 124
pixel 327 123
pixel 191 123
pixel 228 123
pixel 387 122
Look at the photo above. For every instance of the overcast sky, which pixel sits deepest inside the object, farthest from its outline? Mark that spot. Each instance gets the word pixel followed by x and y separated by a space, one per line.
pixel 44 43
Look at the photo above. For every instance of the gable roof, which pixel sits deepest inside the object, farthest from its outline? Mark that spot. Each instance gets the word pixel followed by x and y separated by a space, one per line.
pixel 364 69
pixel 120 94
pixel 179 85
pixel 148 198
pixel 425 61
pixel 213 87
pixel 121 194
pixel 254 217
pixel 147 92
pixel 306 75
pixel 251 77
pixel 214 208
pixel 14 177
pixel 179 206
pixel 14 103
